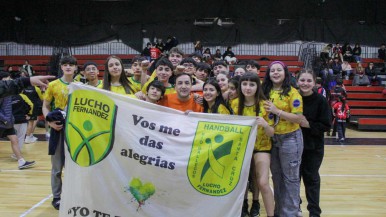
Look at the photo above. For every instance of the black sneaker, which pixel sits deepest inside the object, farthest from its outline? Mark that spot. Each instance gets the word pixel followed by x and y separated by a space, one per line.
pixel 255 209
pixel 244 211
pixel 27 165
pixel 56 203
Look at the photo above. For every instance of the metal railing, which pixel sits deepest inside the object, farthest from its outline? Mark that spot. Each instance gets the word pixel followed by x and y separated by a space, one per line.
pixel 116 47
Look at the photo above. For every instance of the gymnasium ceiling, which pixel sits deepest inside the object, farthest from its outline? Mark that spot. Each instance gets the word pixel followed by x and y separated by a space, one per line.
pixel 73 23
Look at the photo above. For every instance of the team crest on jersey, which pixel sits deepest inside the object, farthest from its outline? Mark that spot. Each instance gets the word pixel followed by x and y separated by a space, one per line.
pixel 296 103
pixel 90 126
pixel 217 157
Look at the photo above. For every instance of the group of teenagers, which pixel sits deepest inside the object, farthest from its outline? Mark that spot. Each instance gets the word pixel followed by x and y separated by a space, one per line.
pixel 291 122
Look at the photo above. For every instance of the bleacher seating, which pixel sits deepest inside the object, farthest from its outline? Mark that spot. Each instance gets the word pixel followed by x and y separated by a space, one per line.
pixel 367 106
pixel 41 63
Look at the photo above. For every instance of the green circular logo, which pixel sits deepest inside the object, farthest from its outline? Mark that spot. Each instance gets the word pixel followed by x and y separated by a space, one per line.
pixel 87 125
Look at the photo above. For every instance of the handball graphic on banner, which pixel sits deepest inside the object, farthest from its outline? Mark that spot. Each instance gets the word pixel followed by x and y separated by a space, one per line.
pixel 217 157
pixel 90 127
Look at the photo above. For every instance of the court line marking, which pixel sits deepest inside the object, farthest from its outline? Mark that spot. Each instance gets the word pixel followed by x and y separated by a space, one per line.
pixel 30 171
pixel 36 206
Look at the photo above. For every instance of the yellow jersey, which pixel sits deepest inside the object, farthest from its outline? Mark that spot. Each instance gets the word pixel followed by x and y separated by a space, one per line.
pixel 293 103
pixel 135 85
pixel 263 142
pixel 221 110
pixel 57 93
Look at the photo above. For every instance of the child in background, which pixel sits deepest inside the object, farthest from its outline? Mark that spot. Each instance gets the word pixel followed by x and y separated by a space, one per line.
pixel 341 112
pixel 319 88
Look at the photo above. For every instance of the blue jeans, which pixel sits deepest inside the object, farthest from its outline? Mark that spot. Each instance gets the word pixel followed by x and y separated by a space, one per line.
pixel 286 158
pixel 341 128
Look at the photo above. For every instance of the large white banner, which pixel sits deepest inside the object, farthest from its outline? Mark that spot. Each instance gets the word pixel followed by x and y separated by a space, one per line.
pixel 126 157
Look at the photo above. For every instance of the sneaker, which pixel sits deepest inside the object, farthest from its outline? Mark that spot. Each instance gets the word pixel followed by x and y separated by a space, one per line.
pixel 30 139
pixel 255 209
pixel 34 139
pixel 56 203
pixel 27 165
pixel 13 156
pixel 244 211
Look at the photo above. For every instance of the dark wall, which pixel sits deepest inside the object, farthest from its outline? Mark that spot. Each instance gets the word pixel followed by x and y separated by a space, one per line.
pixel 72 23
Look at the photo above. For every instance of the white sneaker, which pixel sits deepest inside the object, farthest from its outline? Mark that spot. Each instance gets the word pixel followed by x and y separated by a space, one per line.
pixel 30 139
pixel 34 139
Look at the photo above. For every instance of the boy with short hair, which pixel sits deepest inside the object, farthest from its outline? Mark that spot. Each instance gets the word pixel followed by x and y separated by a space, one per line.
pixel 91 73
pixel 253 66
pixel 219 66
pixel 155 91
pixel 136 68
pixel 57 93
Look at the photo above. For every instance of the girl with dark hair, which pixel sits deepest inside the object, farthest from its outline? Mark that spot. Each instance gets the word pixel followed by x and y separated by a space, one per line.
pixel 233 92
pixel 341 112
pixel 251 103
pixel 318 120
pixel 213 101
pixel 114 78
pixel 286 104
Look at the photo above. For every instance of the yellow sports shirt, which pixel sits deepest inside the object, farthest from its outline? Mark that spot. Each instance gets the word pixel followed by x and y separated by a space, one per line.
pixel 292 103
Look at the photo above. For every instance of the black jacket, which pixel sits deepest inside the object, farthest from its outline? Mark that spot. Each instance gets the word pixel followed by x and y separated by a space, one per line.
pixel 318 114
pixel 12 87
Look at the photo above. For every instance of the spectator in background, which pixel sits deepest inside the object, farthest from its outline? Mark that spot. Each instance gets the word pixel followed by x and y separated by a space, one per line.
pixel 341 112
pixel 160 45
pixel 357 51
pixel 253 66
pixel 319 88
pixel 347 53
pixel 337 52
pixel 171 42
pixel 7 127
pixel 346 70
pixel 207 56
pixel 219 66
pixel 239 71
pixel 336 67
pixel 146 51
pixel 372 74
pixel 217 56
pixel 360 79
pixel 28 68
pixel 197 57
pixel 198 47
pixel 229 56
pixel 325 53
pixel 155 53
